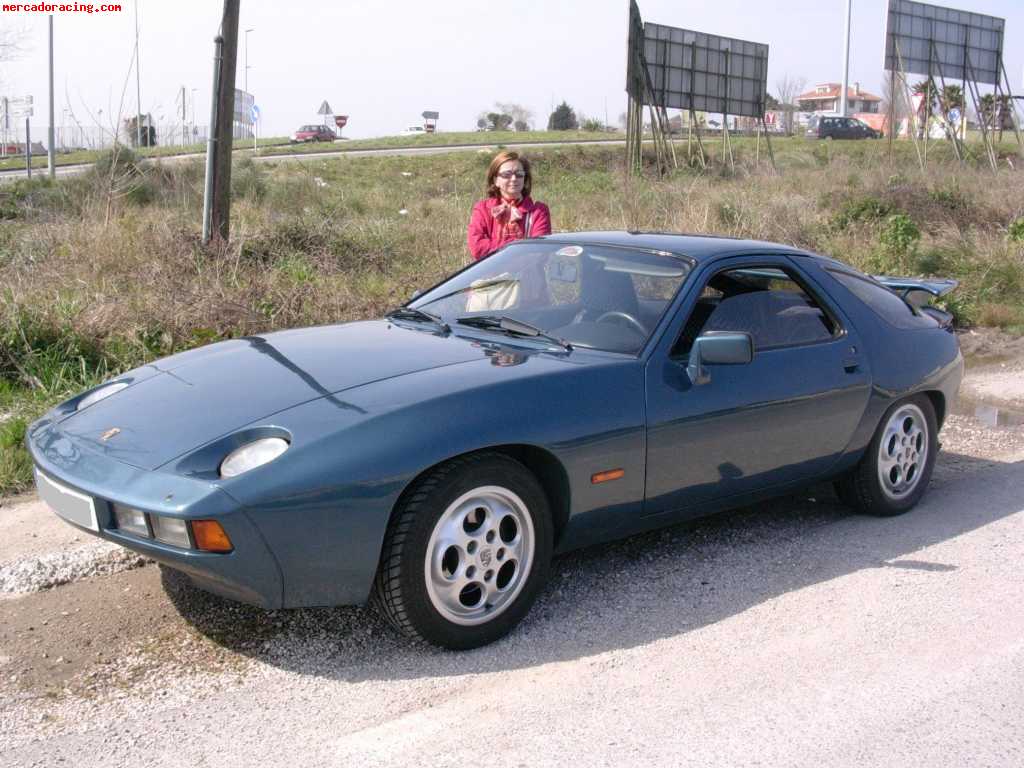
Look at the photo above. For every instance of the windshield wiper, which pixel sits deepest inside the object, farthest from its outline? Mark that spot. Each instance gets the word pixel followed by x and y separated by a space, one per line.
pixel 511 326
pixel 411 313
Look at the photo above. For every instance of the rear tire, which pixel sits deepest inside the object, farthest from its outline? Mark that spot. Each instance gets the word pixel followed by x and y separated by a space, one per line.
pixel 894 472
pixel 466 553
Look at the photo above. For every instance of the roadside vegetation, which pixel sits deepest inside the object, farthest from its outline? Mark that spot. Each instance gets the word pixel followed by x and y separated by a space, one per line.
pixel 104 271
pixel 279 145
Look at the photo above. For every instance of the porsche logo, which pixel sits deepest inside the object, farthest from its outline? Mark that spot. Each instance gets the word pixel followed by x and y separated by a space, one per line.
pixel 110 433
pixel 485 557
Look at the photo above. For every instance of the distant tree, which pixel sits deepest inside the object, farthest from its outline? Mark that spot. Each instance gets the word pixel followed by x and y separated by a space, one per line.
pixel 770 102
pixel 788 87
pixel 521 125
pixel 12 46
pixel 591 125
pixel 952 97
pixel 563 119
pixel 499 121
pixel 520 114
pixel 623 120
pixel 481 123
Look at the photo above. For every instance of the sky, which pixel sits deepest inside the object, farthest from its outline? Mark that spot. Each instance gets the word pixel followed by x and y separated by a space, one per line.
pixel 384 62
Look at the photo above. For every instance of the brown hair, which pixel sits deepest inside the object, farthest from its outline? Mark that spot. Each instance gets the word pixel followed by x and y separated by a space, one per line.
pixel 499 160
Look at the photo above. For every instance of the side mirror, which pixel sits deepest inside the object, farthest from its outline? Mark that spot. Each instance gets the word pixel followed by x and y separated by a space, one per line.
pixel 718 348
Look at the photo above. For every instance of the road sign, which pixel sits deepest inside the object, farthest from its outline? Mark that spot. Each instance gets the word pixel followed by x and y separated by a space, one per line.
pixel 325 109
pixel 428 115
pixel 954 115
pixel 341 120
pixel 255 113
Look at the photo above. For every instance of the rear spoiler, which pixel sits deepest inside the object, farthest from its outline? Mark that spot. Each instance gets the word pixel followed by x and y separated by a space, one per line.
pixel 918 292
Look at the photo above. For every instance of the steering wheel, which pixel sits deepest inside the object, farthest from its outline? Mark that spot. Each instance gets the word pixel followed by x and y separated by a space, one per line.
pixel 630 321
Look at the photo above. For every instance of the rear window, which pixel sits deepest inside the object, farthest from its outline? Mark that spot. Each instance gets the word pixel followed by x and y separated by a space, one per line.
pixel 883 302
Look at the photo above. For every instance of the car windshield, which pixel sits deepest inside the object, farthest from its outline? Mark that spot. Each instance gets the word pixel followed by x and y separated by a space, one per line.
pixel 595 296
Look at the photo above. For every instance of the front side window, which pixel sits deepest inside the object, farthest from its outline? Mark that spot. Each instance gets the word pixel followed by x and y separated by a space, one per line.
pixel 600 297
pixel 766 302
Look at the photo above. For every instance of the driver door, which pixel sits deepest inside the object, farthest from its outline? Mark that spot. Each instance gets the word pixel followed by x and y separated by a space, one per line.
pixel 783 418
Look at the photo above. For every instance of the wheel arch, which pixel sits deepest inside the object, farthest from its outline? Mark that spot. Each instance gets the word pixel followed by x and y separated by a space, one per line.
pixel 544 465
pixel 938 401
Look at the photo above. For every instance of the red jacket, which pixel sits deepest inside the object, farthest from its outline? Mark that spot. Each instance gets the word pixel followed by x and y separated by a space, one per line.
pixel 485 230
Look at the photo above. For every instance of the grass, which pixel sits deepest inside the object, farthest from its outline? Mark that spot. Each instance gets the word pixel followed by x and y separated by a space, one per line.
pixel 103 271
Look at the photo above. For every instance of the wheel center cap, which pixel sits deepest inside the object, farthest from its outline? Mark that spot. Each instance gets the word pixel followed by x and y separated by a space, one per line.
pixel 485 557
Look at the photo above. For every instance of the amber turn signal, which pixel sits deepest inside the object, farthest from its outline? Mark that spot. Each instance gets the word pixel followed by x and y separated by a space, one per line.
pixel 604 477
pixel 210 537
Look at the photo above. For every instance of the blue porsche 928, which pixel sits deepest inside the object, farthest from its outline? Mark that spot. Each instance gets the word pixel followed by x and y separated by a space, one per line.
pixel 564 391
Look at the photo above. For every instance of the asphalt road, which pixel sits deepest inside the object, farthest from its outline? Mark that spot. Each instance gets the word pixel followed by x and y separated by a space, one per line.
pixel 68 170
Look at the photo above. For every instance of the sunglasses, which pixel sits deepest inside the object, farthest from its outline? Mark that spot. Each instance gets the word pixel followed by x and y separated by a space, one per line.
pixel 513 174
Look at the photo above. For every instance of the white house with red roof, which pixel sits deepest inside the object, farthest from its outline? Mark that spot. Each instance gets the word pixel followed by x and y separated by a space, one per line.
pixel 824 99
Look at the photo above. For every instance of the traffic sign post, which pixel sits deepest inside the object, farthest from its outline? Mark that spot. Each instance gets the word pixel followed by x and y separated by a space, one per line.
pixel 341 121
pixel 325 110
pixel 255 114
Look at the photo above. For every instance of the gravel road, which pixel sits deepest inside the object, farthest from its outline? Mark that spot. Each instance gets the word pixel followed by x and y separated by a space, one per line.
pixel 793 633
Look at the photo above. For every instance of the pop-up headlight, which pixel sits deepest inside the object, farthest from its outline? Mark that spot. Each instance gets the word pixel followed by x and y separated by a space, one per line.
pixel 100 394
pixel 255 454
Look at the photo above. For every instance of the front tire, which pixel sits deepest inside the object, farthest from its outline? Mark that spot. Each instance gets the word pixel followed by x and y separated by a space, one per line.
pixel 894 473
pixel 466 553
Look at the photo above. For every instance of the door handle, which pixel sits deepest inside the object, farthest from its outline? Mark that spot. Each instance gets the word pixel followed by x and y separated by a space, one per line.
pixel 851 364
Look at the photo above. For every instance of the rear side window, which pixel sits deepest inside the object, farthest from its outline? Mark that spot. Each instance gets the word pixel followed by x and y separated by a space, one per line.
pixel 883 302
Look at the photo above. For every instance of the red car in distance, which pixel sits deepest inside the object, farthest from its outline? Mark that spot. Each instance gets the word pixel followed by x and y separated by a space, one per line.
pixel 313 133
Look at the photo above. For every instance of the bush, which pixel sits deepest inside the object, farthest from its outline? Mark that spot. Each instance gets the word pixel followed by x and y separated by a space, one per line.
pixel 900 235
pixel 861 209
pixel 592 125
pixel 1015 234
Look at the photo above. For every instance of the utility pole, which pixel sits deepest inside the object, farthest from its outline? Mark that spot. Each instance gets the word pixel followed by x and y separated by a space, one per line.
pixel 138 83
pixel 846 61
pixel 217 200
pixel 246 75
pixel 51 158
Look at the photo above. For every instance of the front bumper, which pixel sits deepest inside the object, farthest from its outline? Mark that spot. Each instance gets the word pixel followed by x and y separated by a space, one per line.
pixel 249 574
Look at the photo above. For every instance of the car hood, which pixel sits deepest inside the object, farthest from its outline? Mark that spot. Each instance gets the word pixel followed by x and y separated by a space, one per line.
pixel 184 401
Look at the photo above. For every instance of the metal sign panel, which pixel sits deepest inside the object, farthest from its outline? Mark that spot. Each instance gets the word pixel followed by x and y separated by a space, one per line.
pixel 244 102
pixel 325 109
pixel 933 41
pixel 428 115
pixel 707 73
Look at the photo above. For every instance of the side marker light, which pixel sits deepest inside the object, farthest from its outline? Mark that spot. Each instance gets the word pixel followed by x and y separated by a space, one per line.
pixel 604 477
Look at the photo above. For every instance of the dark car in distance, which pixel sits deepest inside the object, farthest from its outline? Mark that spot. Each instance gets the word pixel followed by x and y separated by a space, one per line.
pixel 564 391
pixel 828 127
pixel 312 133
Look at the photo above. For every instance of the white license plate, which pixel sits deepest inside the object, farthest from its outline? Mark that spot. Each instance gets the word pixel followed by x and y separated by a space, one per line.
pixel 71 505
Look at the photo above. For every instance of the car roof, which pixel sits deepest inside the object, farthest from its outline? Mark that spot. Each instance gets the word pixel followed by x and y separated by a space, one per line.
pixel 698 247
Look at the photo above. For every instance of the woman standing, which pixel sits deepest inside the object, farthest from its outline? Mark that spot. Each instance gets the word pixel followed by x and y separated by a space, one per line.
pixel 508 213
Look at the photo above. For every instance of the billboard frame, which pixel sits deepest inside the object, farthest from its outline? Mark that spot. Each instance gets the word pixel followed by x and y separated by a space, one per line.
pixel 665 65
pixel 916 25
